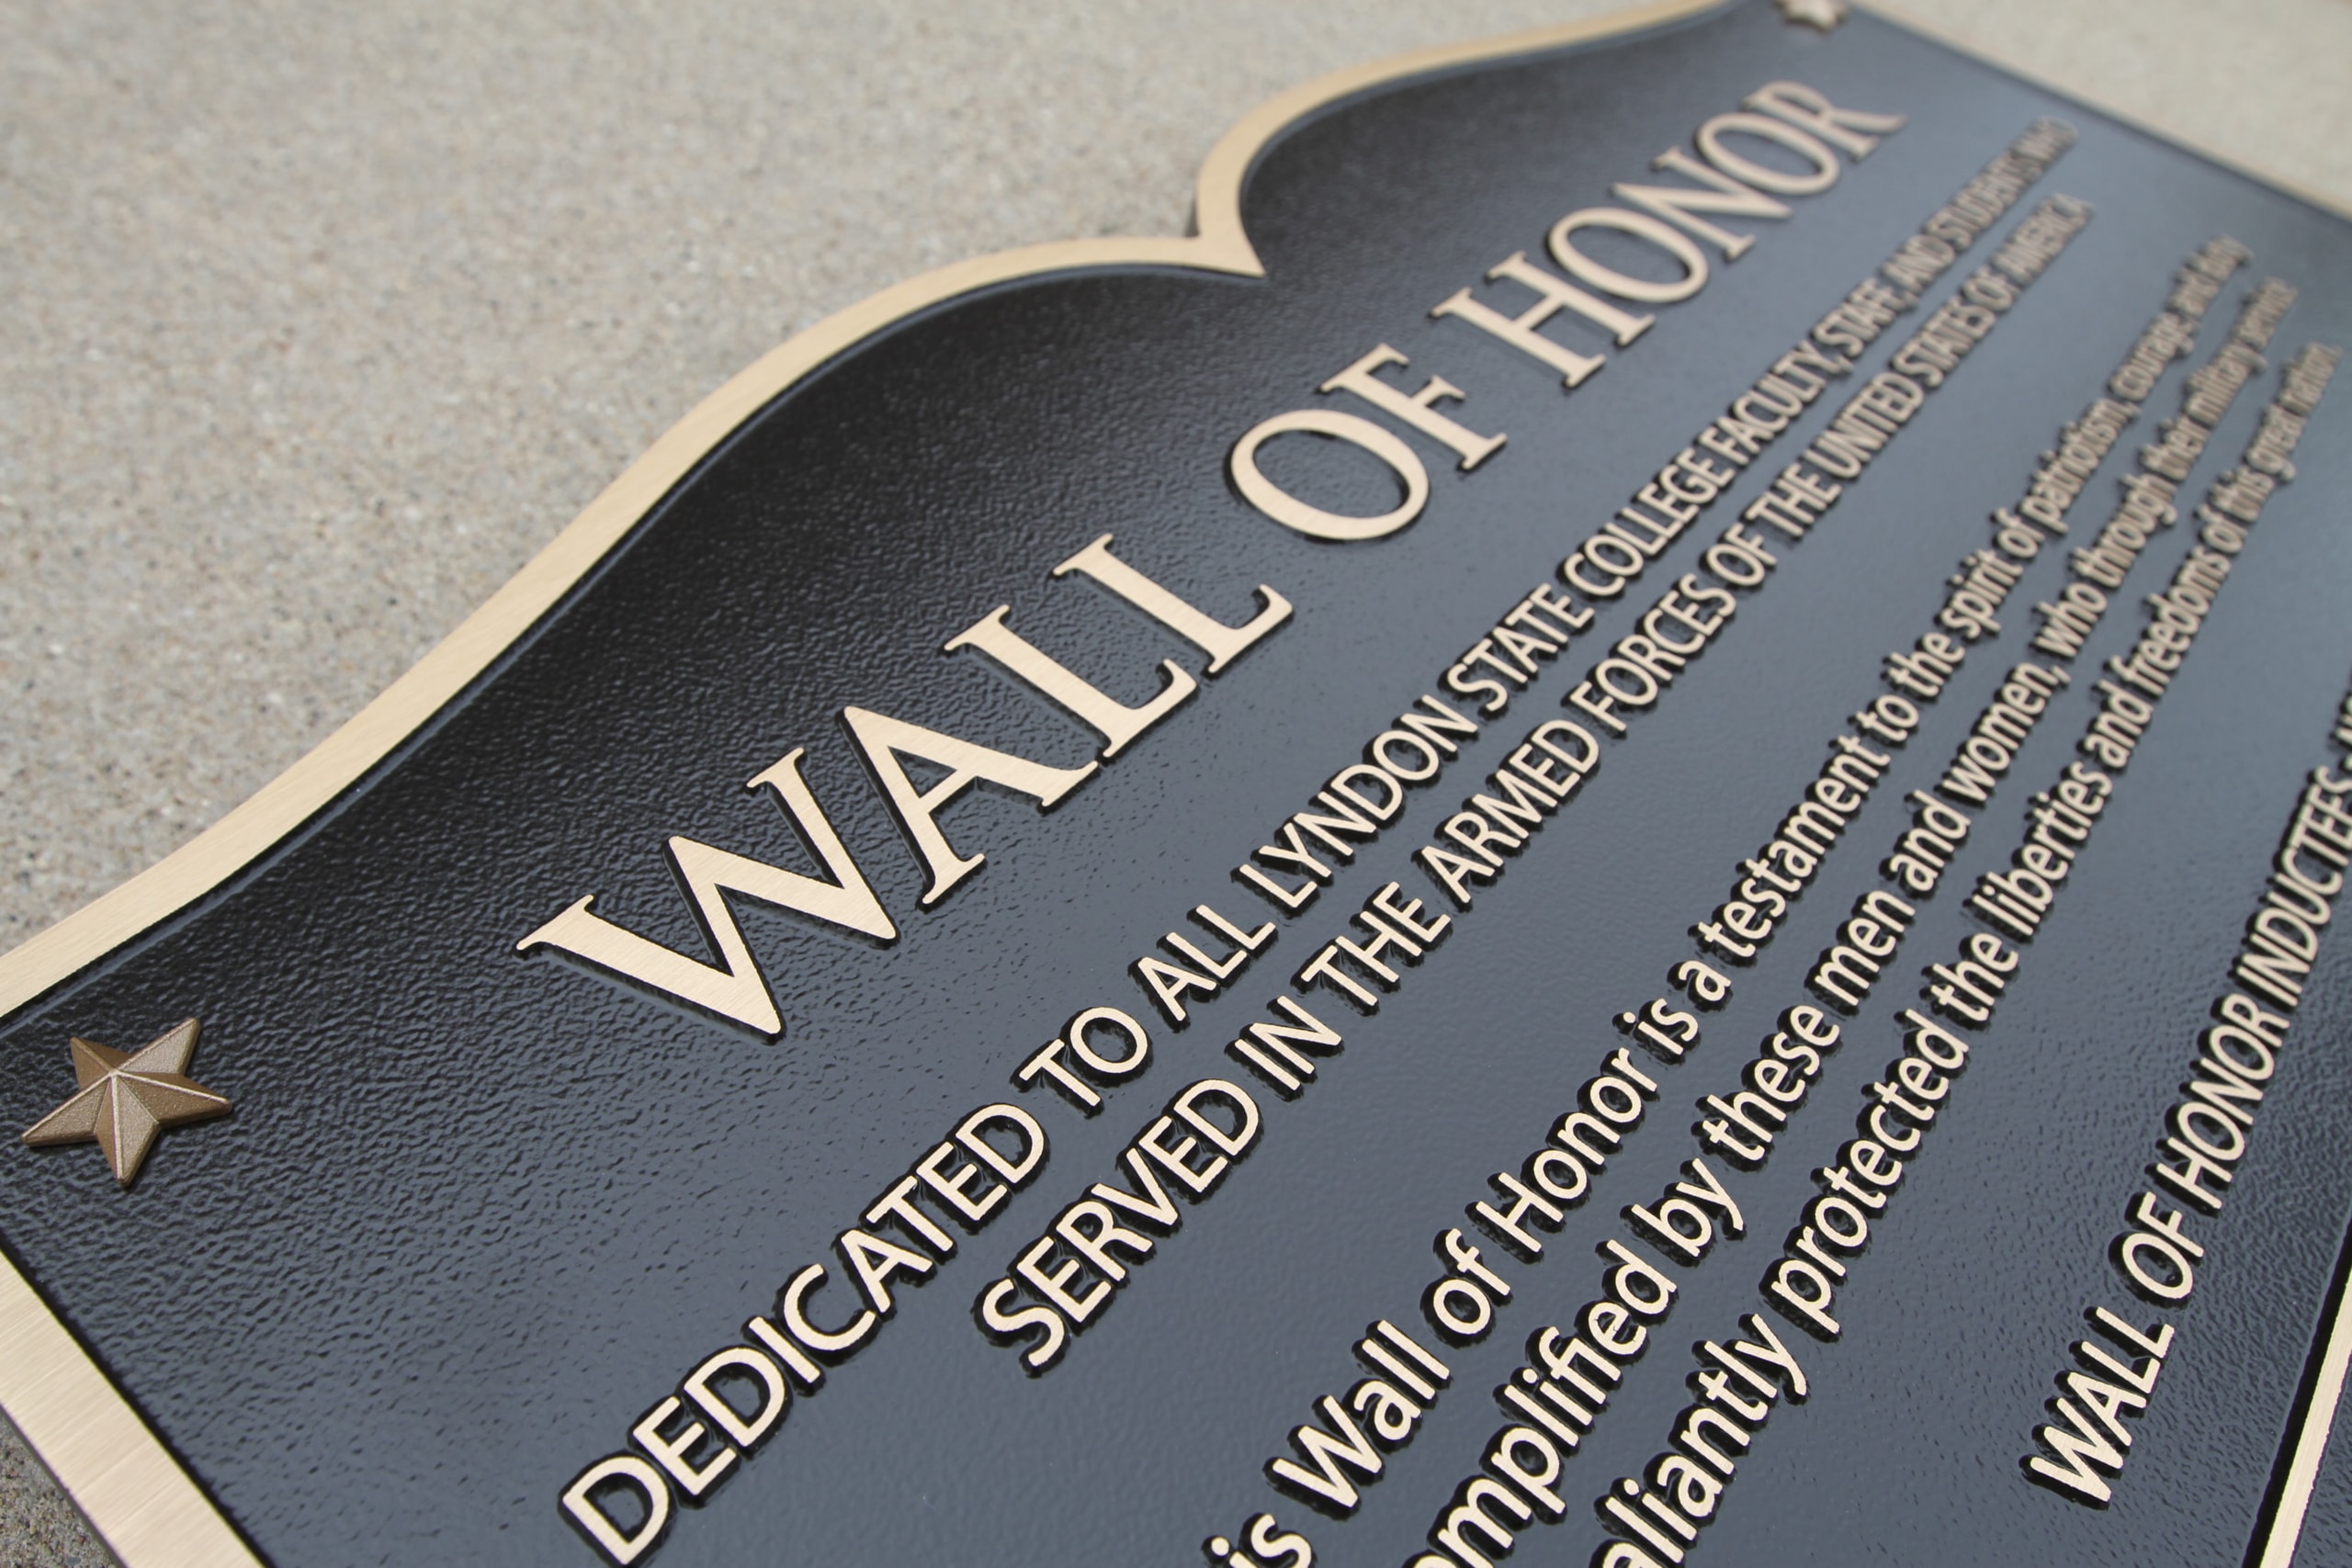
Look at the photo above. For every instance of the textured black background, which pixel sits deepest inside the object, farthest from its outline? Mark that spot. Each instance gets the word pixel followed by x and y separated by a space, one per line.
pixel 476 1213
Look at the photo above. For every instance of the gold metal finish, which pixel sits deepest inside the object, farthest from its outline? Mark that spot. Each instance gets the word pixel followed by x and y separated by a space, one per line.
pixel 2309 1443
pixel 1824 14
pixel 118 1473
pixel 128 1097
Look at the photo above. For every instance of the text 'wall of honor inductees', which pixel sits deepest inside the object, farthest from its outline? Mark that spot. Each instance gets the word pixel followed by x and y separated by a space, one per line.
pixel 1786 141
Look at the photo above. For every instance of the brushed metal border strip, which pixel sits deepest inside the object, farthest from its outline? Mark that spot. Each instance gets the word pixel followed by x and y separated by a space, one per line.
pixel 124 1481
pixel 2280 1529
pixel 147 1508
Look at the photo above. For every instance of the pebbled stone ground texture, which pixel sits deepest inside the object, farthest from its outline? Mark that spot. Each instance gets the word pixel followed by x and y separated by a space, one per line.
pixel 317 324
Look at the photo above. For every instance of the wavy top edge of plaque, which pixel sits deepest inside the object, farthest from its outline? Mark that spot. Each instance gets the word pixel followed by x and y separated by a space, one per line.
pixel 1217 244
pixel 142 1502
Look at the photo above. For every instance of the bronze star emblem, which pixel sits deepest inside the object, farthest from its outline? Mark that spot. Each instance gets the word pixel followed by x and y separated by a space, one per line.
pixel 1822 15
pixel 126 1098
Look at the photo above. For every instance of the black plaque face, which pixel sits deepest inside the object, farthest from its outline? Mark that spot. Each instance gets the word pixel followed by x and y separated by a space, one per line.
pixel 1640 869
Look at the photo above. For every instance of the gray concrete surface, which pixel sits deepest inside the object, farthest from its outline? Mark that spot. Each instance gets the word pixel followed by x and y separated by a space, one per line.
pixel 318 323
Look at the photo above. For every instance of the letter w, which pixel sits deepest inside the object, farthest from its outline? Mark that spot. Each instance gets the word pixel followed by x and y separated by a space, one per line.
pixel 2082 1453
pixel 1967 780
pixel 1327 1480
pixel 733 988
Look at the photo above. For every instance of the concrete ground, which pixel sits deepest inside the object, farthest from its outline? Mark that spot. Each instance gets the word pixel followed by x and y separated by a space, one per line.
pixel 316 327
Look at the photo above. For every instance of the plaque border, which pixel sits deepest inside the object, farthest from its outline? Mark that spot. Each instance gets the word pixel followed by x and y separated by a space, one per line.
pixel 146 1507
pixel 2295 1473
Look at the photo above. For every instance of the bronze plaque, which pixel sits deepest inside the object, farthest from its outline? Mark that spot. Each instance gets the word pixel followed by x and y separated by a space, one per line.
pixel 1607 834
